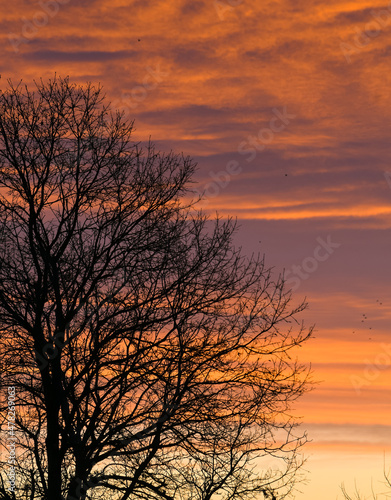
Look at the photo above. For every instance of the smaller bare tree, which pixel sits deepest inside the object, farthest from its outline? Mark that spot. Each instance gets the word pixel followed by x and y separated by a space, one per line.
pixel 375 496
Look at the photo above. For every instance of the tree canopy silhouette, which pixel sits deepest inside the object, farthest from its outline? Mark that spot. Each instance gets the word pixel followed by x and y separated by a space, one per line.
pixel 150 358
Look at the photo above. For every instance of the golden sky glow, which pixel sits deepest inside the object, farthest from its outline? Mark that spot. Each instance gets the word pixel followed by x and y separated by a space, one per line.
pixel 285 105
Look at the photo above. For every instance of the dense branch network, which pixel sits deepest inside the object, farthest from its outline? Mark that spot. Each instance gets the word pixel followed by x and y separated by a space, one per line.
pixel 151 359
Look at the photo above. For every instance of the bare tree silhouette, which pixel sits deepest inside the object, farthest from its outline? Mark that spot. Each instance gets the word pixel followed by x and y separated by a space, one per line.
pixel 150 358
pixel 358 496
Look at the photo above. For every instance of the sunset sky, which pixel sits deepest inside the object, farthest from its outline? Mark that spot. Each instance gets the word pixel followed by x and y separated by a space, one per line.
pixel 286 107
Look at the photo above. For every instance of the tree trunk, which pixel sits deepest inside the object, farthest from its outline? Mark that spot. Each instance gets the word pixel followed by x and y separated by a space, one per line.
pixel 53 456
